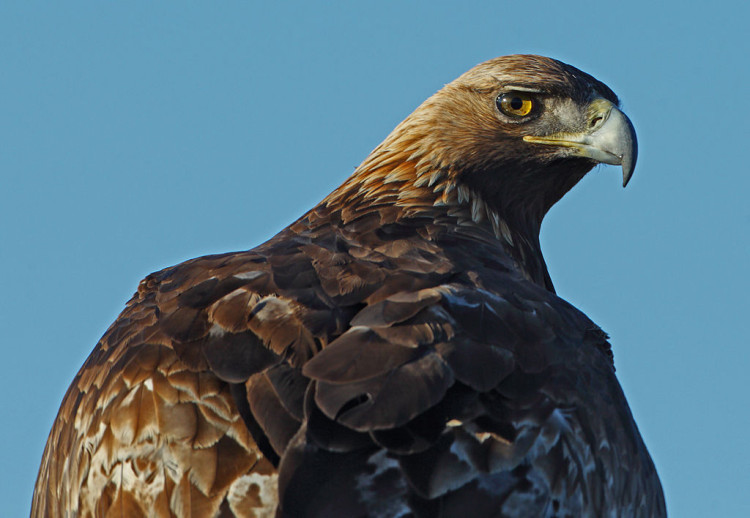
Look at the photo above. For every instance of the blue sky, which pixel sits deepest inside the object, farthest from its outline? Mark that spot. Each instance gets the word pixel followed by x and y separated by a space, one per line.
pixel 134 136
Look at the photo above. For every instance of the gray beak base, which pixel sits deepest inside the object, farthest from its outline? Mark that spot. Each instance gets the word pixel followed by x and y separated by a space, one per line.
pixel 611 138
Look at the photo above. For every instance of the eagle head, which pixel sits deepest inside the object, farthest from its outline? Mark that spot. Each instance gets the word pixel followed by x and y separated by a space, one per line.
pixel 516 132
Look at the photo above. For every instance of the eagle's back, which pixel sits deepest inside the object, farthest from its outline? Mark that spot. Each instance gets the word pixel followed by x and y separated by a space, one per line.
pixel 386 368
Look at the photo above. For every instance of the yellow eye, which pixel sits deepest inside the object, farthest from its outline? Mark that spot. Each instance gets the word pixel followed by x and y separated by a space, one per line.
pixel 515 104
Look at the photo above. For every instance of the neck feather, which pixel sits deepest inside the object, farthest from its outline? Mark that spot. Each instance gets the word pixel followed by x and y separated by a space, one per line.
pixel 418 184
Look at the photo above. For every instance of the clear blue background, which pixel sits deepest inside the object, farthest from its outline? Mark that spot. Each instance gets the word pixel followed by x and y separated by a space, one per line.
pixel 135 135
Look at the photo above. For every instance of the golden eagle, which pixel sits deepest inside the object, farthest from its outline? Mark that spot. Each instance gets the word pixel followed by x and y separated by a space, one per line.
pixel 398 351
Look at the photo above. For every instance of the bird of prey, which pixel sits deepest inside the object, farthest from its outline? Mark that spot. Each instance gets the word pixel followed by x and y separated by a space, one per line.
pixel 398 351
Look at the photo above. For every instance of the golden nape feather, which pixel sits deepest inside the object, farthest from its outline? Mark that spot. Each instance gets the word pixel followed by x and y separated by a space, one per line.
pixel 398 351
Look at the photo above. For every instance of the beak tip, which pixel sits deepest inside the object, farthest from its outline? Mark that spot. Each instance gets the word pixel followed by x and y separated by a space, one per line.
pixel 628 162
pixel 626 176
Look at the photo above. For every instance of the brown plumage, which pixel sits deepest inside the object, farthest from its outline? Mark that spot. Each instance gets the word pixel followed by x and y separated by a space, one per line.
pixel 397 351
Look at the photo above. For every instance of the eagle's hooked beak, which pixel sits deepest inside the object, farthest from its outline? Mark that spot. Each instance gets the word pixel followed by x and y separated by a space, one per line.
pixel 609 138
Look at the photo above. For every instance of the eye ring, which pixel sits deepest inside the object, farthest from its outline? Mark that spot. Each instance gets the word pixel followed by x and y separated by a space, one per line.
pixel 516 104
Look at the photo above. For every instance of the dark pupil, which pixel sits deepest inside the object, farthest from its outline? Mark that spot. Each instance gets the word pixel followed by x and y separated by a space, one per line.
pixel 516 103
